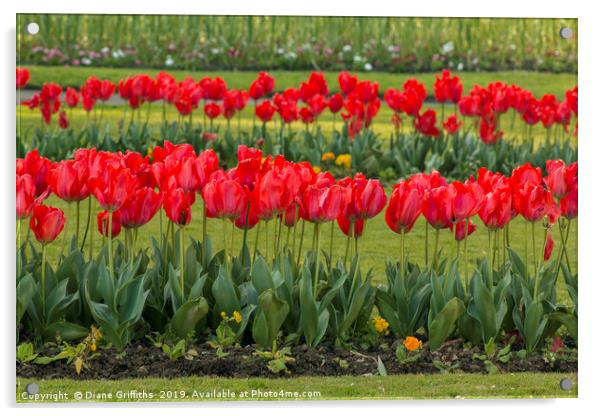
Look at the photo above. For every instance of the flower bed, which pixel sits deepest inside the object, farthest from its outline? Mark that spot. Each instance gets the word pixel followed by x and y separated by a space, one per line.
pixel 268 293
pixel 489 127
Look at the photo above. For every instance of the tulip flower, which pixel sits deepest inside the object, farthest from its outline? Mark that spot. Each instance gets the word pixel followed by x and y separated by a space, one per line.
pixel 22 77
pixel 140 208
pixel 560 177
pixel 112 187
pixel 404 207
pixel 46 223
pixel 265 111
pixel 26 199
pixel 465 200
pixel 323 204
pixel 224 198
pixel 452 125
pixel 68 180
pixel 569 204
pixel 177 205
pixel 102 221
pixel 463 230
pixel 37 166
pixel 548 246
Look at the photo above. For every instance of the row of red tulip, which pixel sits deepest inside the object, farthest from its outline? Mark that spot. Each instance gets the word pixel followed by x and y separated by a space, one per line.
pixel 132 189
pixel 357 102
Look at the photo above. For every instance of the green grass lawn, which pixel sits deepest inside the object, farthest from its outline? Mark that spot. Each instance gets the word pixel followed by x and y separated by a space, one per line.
pixel 400 387
pixel 539 83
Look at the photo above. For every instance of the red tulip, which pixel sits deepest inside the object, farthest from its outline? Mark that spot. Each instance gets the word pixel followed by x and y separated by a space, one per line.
pixel 37 166
pixel 322 204
pixel 26 196
pixel 534 202
pixel 525 174
pixel 569 204
pixel 63 120
pixel 212 110
pixel 112 187
pixel 272 195
pixel 102 222
pixel 404 207
pixel 496 209
pixel 178 205
pixel 465 200
pixel 335 103
pixel 262 86
pixel 561 178
pixel 307 117
pixel 265 111
pixel 548 247
pixel 345 226
pixel 22 77
pixel 437 207
pixel 140 208
pixel 224 198
pixel 452 125
pixel 46 223
pixel 68 180
pixel 72 97
pixel 460 230
pixel 426 122
pixel 347 82
pixel 247 221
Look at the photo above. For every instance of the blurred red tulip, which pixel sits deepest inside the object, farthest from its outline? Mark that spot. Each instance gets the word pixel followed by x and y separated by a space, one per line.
pixel 265 111
pixel 561 178
pixel 460 229
pixel 72 97
pixel 569 204
pixel 112 187
pixel 68 180
pixel 22 77
pixel 404 207
pixel 452 125
pixel 26 198
pixel 102 222
pixel 178 205
pixel 46 223
pixel 548 247
pixel 426 122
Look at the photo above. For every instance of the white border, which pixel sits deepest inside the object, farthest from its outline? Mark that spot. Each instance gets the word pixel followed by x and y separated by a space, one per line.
pixel 590 70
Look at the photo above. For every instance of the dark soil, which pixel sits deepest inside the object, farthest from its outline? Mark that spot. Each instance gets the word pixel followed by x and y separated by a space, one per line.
pixel 142 359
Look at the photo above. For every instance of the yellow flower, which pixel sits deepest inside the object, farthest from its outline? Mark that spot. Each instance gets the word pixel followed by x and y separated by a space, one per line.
pixel 149 151
pixel 237 316
pixel 317 169
pixel 95 333
pixel 223 315
pixel 93 347
pixel 343 160
pixel 327 156
pixel 412 343
pixel 381 325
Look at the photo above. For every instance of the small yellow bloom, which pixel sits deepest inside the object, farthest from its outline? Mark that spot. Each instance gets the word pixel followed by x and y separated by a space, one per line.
pixel 381 325
pixel 95 333
pixel 343 160
pixel 149 151
pixel 412 343
pixel 237 316
pixel 328 156
pixel 317 169
pixel 93 347
pixel 223 315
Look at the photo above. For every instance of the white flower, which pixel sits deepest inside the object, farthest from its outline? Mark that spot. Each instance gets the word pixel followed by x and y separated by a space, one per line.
pixel 447 47
pixel 86 61
pixel 460 66
pixel 118 54
pixel 105 50
pixel 368 66
pixel 357 58
pixel 215 51
pixel 280 51
pixel 169 61
pixel 291 56
pixel 347 48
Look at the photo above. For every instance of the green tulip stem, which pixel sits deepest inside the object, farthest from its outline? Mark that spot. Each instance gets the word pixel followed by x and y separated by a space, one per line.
pixel 426 244
pixel 43 278
pixel 535 265
pixel 161 224
pixel 110 243
pixel 317 269
pixel 436 254
pixel 466 279
pixel 566 251
pixel 224 233
pixel 267 239
pixel 331 241
pixel 256 240
pixel 351 228
pixel 402 253
pixel 87 229
pixel 204 223
pixel 77 223
pixel 246 229
pixel 301 242
pixel 18 234
pixel 279 223
pixel 295 229
pixel 182 271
